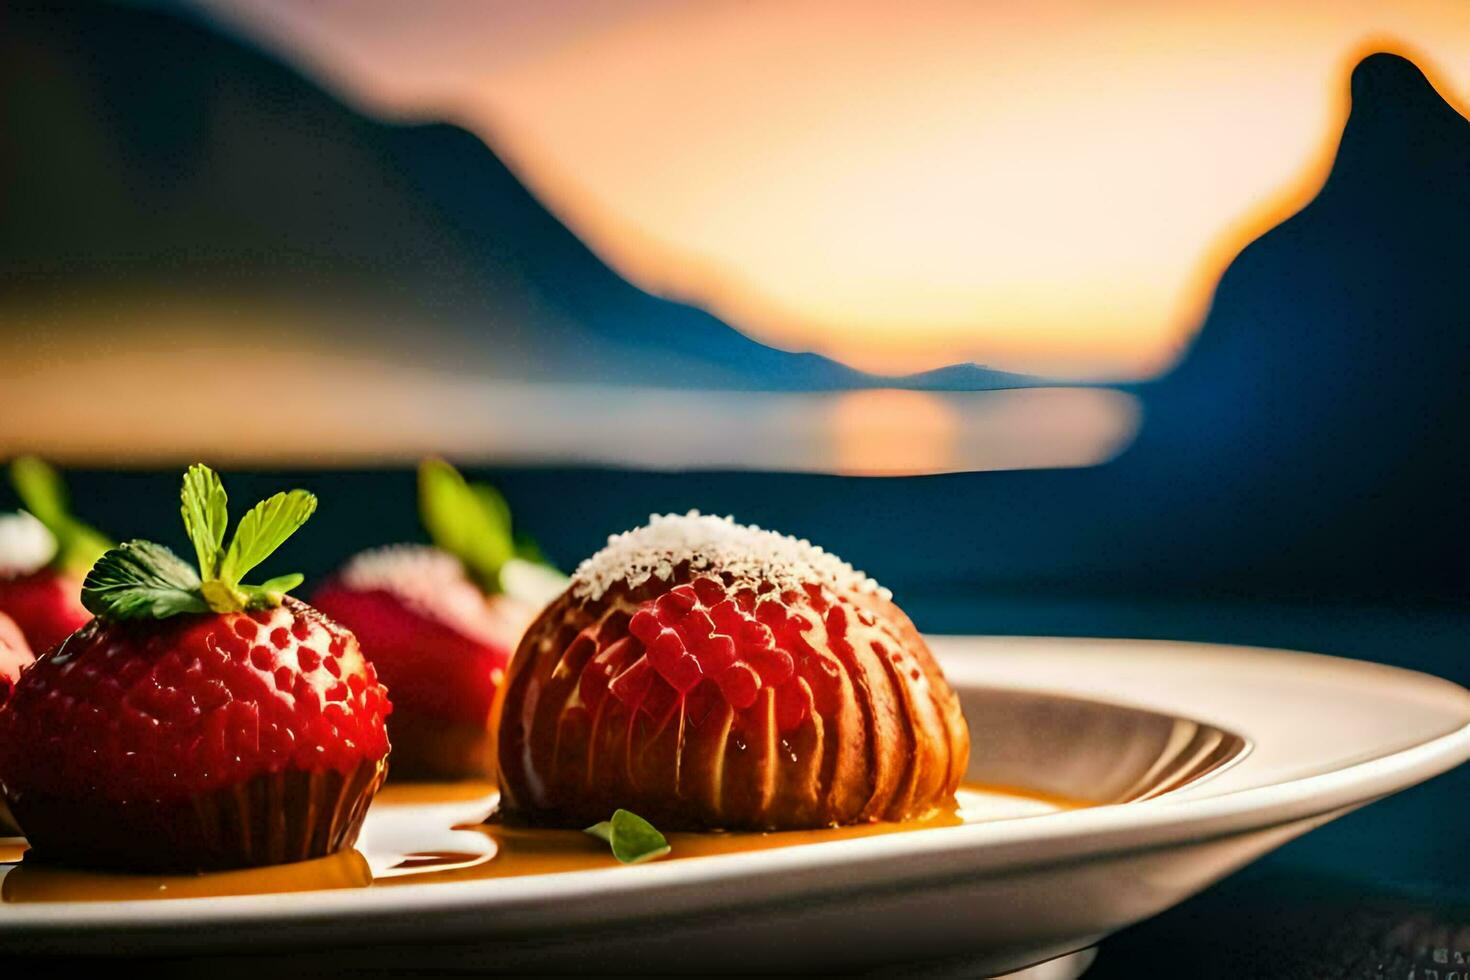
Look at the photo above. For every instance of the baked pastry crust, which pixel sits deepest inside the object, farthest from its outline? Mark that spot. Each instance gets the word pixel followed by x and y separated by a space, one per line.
pixel 710 676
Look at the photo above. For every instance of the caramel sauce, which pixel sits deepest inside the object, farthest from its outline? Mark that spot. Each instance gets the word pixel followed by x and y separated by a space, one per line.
pixel 419 833
pixel 32 881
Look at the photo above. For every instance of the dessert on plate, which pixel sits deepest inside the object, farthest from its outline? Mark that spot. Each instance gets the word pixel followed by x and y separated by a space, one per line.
pixel 44 554
pixel 440 622
pixel 709 675
pixel 198 722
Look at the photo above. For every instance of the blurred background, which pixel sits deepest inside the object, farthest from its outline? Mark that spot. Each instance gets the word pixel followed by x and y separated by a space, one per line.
pixel 1138 319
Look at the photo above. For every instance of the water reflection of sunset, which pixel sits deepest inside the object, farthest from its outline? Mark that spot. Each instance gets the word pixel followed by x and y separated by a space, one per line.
pixel 354 410
pixel 1051 187
pixel 889 430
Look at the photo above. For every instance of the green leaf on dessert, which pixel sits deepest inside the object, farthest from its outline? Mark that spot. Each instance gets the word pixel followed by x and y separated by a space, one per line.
pixel 268 594
pixel 471 522
pixel 206 515
pixel 633 839
pixel 496 508
pixel 141 580
pixel 265 528
pixel 40 489
pixel 43 494
pixel 528 550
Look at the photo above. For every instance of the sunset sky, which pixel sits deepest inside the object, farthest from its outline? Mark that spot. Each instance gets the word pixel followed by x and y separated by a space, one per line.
pixel 1049 187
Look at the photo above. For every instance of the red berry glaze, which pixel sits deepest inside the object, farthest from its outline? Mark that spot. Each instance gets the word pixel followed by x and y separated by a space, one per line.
pixel 45 604
pixel 15 656
pixel 441 648
pixel 705 643
pixel 707 675
pixel 211 740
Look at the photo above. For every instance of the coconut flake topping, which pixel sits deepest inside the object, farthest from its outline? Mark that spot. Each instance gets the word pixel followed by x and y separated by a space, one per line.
pixel 715 544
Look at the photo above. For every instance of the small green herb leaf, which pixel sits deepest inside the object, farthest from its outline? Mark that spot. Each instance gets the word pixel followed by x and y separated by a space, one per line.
pixel 206 515
pixel 40 489
pixel 633 839
pixel 42 493
pixel 281 584
pixel 141 580
pixel 268 594
pixel 471 522
pixel 263 529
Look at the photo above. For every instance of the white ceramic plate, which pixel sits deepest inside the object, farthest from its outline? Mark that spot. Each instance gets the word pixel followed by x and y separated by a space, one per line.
pixel 1221 754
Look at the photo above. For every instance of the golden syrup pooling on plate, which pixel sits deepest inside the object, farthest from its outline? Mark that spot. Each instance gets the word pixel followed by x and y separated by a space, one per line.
pixel 428 833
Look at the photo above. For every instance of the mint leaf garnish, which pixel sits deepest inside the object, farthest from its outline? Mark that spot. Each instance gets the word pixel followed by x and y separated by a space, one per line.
pixel 633 839
pixel 142 580
pixel 43 494
pixel 470 521
pixel 206 514
pixel 270 592
pixel 263 529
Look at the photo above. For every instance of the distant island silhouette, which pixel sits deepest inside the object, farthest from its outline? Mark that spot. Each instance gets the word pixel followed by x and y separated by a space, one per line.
pixel 210 170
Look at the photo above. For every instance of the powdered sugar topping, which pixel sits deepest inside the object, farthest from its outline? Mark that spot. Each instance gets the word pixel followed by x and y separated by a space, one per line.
pixel 25 544
pixel 715 544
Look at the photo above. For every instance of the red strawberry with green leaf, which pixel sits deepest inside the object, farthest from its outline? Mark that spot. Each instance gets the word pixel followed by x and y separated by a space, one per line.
pixel 44 554
pixel 198 721
pixel 441 622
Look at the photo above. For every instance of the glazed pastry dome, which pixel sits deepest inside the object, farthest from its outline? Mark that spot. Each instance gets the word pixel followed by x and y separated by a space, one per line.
pixel 706 674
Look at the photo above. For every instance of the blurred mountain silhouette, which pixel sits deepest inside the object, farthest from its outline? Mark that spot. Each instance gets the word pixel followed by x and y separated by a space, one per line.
pixel 1318 426
pixel 1313 440
pixel 147 155
pixel 1311 445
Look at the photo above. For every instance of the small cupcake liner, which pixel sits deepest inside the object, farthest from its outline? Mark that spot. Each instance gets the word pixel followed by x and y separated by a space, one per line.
pixel 275 818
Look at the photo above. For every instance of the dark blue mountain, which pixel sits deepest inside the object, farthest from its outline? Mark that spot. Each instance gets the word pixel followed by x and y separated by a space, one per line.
pixel 146 155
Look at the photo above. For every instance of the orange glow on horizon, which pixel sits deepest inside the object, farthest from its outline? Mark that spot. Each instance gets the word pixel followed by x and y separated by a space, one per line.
pixel 1052 188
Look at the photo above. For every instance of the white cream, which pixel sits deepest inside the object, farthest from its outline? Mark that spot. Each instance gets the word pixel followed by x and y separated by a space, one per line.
pixel 25 544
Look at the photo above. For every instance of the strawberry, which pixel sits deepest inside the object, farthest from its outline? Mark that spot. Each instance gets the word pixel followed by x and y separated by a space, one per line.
pixel 45 605
pixel 15 656
pixel 714 676
pixel 439 623
pixel 197 722
pixel 15 659
pixel 44 554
